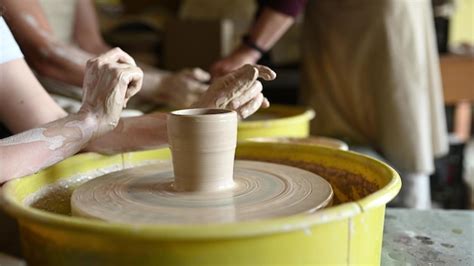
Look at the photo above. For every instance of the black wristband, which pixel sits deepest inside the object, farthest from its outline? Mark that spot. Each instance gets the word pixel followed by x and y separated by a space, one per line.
pixel 249 43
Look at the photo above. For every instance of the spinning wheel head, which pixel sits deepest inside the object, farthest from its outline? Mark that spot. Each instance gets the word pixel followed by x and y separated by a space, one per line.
pixel 204 187
pixel 146 195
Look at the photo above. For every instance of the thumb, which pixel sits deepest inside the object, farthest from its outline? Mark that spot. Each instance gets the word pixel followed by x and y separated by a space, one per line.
pixel 199 75
pixel 133 80
pixel 265 72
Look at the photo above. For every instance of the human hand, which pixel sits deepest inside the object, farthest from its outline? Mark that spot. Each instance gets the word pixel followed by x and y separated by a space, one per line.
pixel 110 80
pixel 179 90
pixel 239 91
pixel 241 56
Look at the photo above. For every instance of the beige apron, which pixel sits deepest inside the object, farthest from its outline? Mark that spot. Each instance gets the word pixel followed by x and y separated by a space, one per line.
pixel 61 15
pixel 371 71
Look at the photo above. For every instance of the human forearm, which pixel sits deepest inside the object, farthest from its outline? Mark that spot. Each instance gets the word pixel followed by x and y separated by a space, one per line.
pixel 86 29
pixel 38 148
pixel 47 55
pixel 264 33
pixel 262 36
pixel 61 62
pixel 269 28
pixel 133 133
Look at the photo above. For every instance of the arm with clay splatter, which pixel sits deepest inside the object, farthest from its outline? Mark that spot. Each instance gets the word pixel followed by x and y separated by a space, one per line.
pixel 47 55
pixel 110 81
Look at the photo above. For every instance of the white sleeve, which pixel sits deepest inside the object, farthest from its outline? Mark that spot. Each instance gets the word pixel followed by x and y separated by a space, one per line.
pixel 9 49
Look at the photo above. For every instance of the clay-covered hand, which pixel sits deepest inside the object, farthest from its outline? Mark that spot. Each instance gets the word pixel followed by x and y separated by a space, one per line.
pixel 241 56
pixel 239 91
pixel 110 80
pixel 179 90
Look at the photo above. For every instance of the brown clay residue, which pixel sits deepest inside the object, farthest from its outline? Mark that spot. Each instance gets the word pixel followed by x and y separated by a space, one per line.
pixel 425 240
pixel 447 245
pixel 347 186
pixel 55 200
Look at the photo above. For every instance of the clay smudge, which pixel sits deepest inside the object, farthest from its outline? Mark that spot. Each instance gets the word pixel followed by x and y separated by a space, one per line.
pixel 86 131
pixel 54 142
pixel 425 240
pixel 397 256
pixel 446 245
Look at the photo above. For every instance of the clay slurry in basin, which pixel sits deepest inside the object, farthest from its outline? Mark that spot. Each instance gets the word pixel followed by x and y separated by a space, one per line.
pixel 199 191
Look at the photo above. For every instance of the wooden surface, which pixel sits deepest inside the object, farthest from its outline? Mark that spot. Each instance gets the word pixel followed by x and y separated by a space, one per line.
pixel 434 237
pixel 458 78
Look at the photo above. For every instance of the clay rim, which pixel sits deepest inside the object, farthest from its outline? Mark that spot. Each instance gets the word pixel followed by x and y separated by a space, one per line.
pixel 30 216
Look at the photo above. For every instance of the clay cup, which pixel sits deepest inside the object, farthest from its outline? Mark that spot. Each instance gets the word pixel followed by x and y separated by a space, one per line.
pixel 202 143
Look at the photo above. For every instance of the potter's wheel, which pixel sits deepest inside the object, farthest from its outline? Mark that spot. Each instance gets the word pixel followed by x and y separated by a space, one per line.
pixel 146 195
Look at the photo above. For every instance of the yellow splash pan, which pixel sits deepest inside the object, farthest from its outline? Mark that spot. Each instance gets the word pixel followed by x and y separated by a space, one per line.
pixel 277 121
pixel 349 232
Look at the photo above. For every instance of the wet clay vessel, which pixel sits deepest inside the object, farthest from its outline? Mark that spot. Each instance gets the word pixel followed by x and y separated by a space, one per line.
pixel 202 143
pixel 202 185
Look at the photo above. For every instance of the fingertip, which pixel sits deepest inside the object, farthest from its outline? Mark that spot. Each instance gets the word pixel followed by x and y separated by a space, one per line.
pixel 201 75
pixel 265 103
pixel 265 72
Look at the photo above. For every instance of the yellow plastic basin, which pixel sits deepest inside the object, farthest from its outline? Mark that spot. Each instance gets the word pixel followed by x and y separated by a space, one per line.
pixel 277 121
pixel 349 232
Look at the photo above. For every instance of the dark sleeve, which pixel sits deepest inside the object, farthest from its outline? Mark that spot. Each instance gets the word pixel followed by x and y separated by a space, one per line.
pixel 288 7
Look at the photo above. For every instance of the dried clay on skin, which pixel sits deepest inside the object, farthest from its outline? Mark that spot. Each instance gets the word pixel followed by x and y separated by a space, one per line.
pixel 34 135
pixel 58 141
